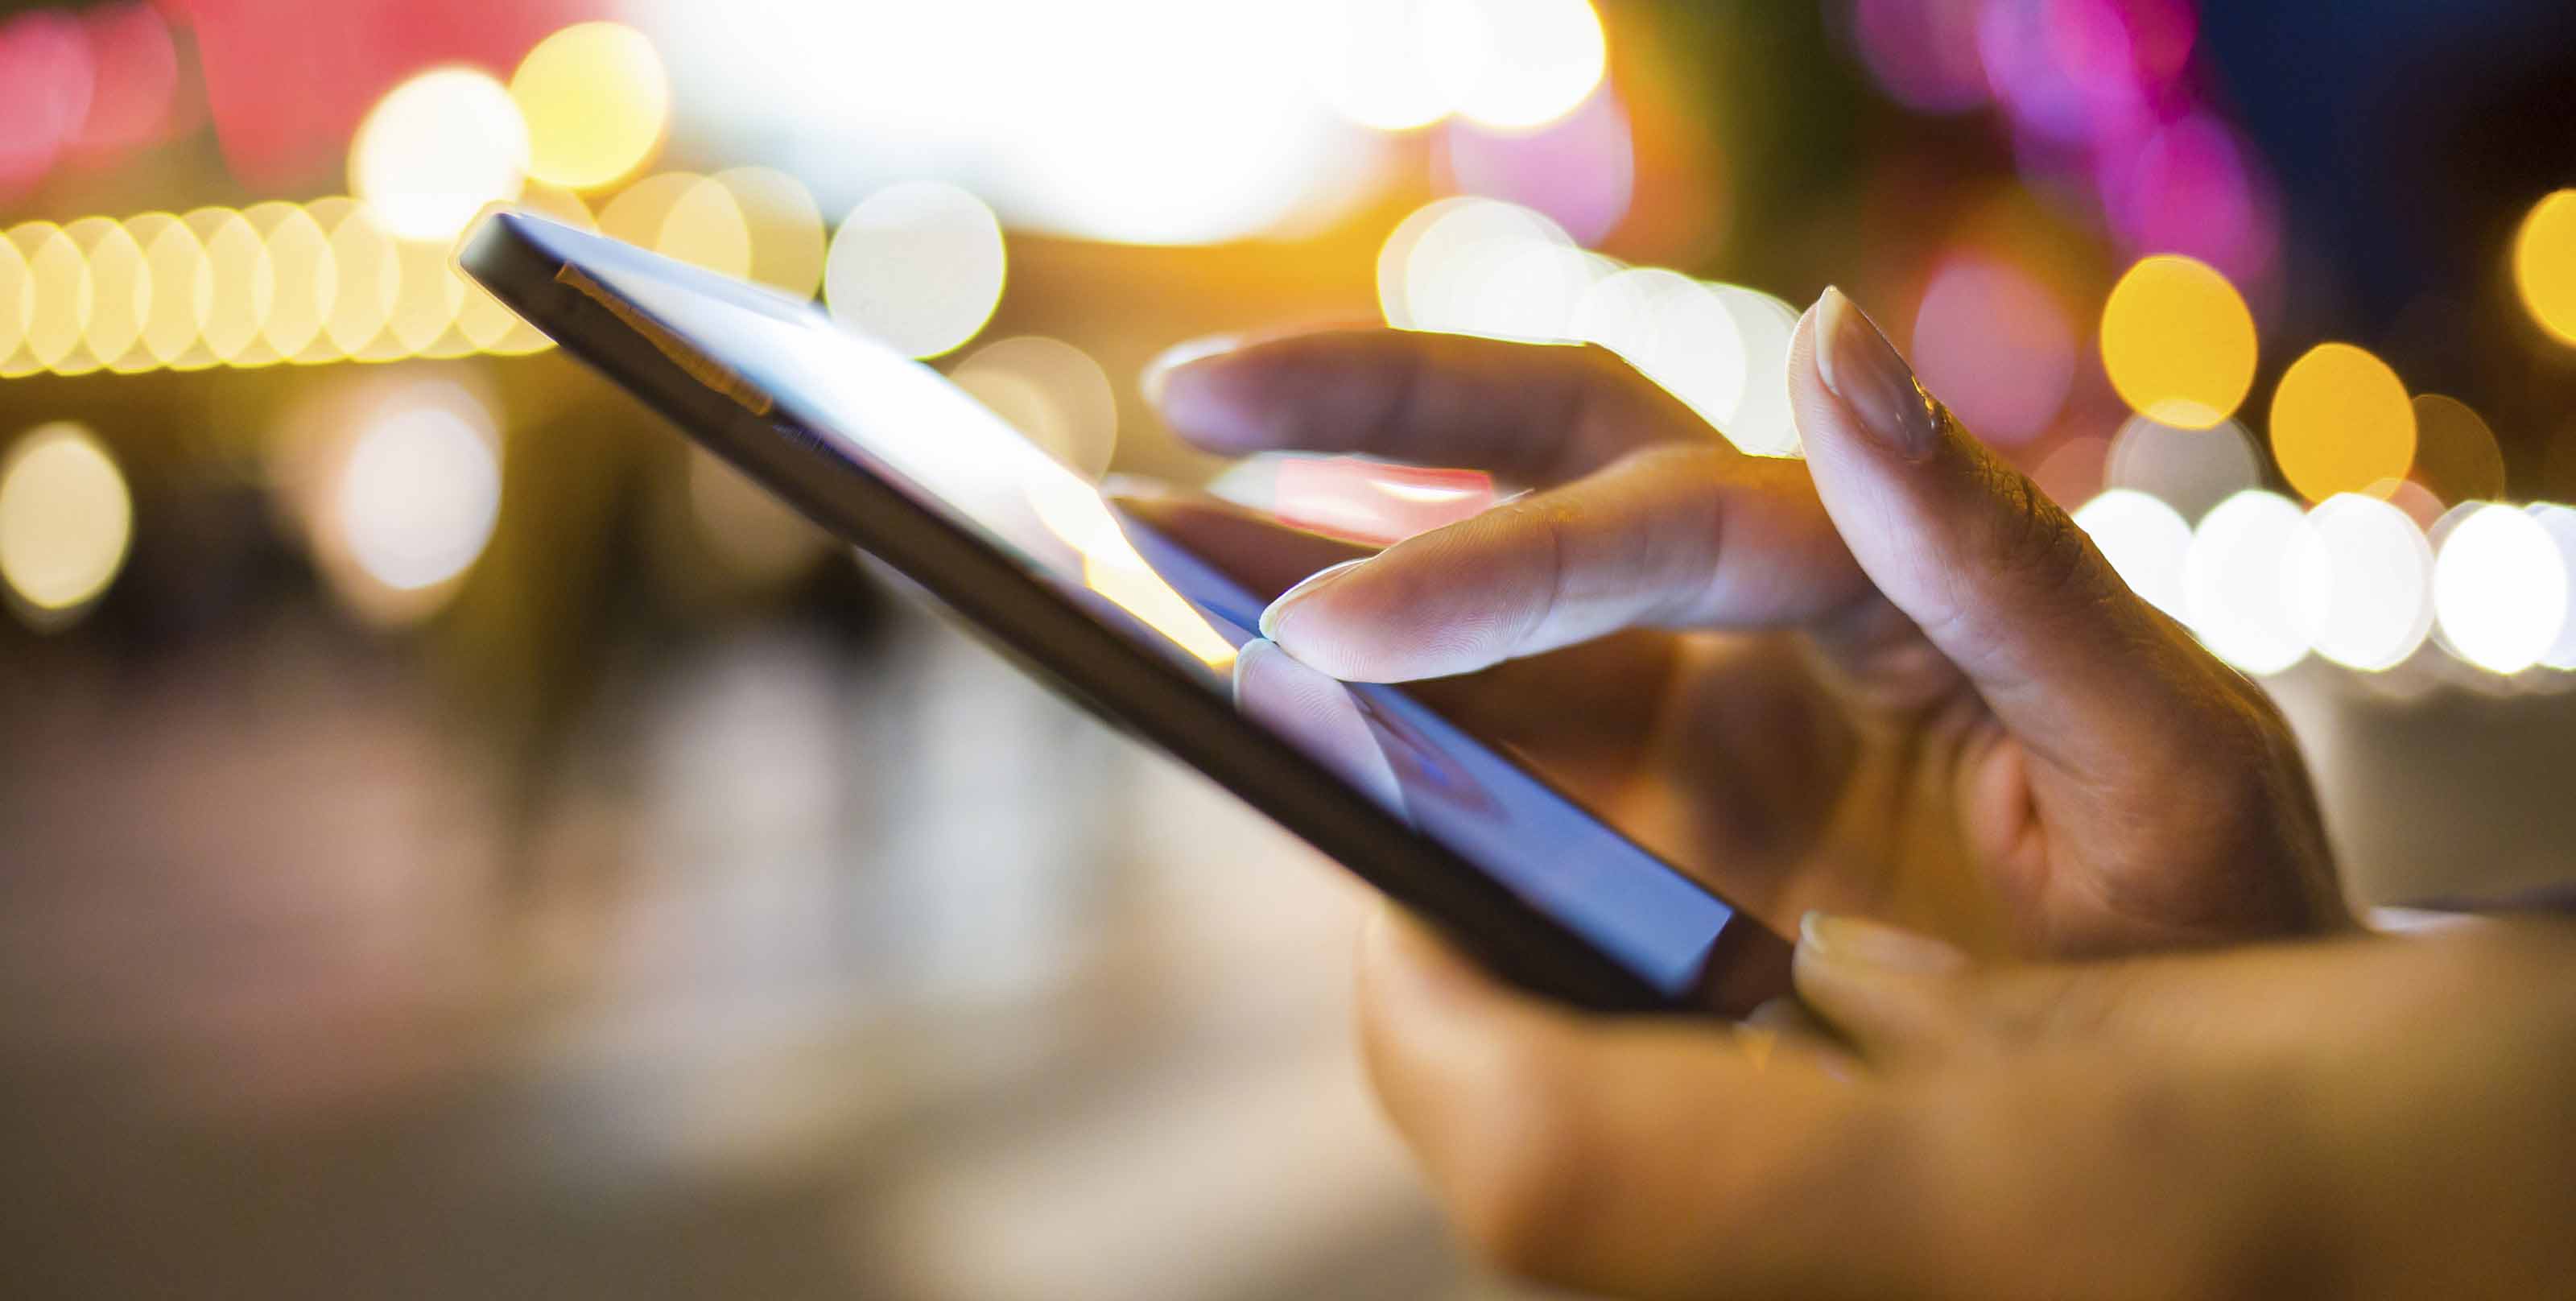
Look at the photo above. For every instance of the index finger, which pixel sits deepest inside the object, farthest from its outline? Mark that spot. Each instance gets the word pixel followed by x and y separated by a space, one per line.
pixel 1536 413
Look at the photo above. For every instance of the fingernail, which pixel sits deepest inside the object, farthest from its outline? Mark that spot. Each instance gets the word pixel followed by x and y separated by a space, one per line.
pixel 1864 370
pixel 1313 583
pixel 1853 941
pixel 1158 371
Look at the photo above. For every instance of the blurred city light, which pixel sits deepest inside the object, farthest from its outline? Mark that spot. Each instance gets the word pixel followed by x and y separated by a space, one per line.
pixel 183 289
pixel 436 150
pixel 1997 347
pixel 2500 586
pixel 1580 170
pixel 2544 264
pixel 48 78
pixel 2178 342
pixel 2341 421
pixel 2147 541
pixel 66 522
pixel 1482 266
pixel 1516 64
pixel 2374 605
pixel 596 102
pixel 59 293
pixel 120 294
pixel 919 266
pixel 1762 423
pixel 242 286
pixel 1924 52
pixel 1050 391
pixel 2239 589
pixel 2455 452
pixel 2560 523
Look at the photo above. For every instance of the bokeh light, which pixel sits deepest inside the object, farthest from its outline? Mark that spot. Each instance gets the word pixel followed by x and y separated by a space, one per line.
pixel 1923 52
pixel 2544 264
pixel 1677 331
pixel 58 282
pixel 788 239
pixel 1993 343
pixel 306 277
pixel 2147 541
pixel 17 300
pixel 418 495
pixel 66 521
pixel 243 285
pixel 1052 392
pixel 917 265
pixel 2560 523
pixel 705 228
pixel 183 289
pixel 436 150
pixel 1485 267
pixel 136 82
pixel 120 293
pixel 2368 598
pixel 1516 63
pixel 2179 342
pixel 2456 455
pixel 1762 423
pixel 2239 591
pixel 596 102
pixel 47 78
pixel 1373 62
pixel 2341 421
pixel 1581 170
pixel 2500 589
pixel 369 274
pixel 2191 470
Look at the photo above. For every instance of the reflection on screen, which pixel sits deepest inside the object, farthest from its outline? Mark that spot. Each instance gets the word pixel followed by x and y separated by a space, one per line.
pixel 902 422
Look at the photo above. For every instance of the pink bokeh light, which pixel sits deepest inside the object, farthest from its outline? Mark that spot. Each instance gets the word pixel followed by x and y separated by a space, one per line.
pixel 1996 346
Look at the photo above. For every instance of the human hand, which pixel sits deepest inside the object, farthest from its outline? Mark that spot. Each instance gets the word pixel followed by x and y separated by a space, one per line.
pixel 2370 1117
pixel 1892 680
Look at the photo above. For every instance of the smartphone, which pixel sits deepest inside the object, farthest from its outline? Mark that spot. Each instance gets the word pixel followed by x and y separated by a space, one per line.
pixel 886 454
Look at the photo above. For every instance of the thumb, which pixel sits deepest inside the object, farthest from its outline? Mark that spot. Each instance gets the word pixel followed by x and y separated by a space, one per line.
pixel 1895 995
pixel 2086 675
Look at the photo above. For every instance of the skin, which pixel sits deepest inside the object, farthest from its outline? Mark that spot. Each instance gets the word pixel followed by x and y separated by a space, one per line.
pixel 1892 682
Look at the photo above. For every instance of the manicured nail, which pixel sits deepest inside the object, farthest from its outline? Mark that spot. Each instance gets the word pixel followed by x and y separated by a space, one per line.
pixel 1159 370
pixel 1853 941
pixel 1863 369
pixel 1314 582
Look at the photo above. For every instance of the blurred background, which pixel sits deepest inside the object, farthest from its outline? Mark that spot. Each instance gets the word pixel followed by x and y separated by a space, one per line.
pixel 457 841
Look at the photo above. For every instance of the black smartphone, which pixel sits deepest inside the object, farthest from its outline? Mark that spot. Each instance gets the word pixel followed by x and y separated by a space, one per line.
pixel 886 454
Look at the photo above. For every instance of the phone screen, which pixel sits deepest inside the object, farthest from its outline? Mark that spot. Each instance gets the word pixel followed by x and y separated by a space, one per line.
pixel 905 425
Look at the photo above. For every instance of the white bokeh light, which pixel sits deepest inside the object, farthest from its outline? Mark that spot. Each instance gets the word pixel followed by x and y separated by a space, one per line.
pixel 436 149
pixel 1481 266
pixel 1762 422
pixel 2238 585
pixel 2560 522
pixel 1516 64
pixel 919 266
pixel 419 495
pixel 1373 62
pixel 2375 604
pixel 2500 589
pixel 1677 331
pixel 2147 541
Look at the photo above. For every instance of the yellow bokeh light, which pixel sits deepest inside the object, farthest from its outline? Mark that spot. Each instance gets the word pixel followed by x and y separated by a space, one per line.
pixel 66 520
pixel 705 228
pixel 2178 342
pixel 2455 452
pixel 2544 264
pixel 120 294
pixel 436 149
pixel 307 278
pixel 244 287
pixel 17 300
pixel 788 238
pixel 2341 421
pixel 425 306
pixel 183 289
pixel 596 102
pixel 918 265
pixel 1050 391
pixel 58 277
pixel 370 276
pixel 1516 64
